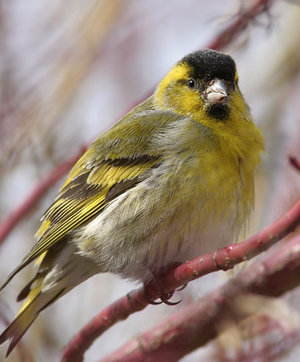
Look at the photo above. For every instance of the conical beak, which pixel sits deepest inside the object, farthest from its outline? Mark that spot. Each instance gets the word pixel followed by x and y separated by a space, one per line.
pixel 216 92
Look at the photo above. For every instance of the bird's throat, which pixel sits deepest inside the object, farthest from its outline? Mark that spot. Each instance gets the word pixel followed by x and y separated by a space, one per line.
pixel 218 111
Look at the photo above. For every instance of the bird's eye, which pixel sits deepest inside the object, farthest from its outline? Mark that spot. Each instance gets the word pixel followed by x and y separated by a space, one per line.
pixel 191 83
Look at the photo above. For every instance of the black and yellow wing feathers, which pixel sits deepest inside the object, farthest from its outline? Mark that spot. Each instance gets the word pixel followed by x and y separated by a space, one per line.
pixel 114 163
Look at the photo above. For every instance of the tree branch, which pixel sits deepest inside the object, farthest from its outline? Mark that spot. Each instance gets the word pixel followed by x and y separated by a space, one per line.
pixel 294 162
pixel 138 299
pixel 196 324
pixel 38 191
pixel 241 22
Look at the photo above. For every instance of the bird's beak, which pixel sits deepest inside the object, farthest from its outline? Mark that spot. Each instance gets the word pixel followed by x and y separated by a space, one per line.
pixel 216 92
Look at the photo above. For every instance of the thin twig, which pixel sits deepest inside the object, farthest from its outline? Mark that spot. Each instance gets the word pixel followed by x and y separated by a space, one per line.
pixel 38 191
pixel 294 162
pixel 138 299
pixel 241 22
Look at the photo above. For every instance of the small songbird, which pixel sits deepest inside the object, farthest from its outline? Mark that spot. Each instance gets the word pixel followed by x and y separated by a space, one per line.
pixel 173 179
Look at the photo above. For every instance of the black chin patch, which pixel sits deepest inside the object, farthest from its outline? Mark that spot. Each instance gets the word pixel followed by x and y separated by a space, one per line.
pixel 218 111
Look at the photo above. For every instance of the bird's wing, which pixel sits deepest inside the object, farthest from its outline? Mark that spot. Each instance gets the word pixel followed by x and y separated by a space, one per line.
pixel 114 163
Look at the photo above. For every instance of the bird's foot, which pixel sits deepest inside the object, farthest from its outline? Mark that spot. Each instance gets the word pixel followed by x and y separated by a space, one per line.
pixel 157 283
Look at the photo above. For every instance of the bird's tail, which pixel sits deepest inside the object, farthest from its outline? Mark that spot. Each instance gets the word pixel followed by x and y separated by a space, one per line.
pixel 58 273
pixel 36 301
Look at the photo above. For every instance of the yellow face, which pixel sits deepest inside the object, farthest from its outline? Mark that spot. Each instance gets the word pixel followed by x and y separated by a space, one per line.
pixel 204 87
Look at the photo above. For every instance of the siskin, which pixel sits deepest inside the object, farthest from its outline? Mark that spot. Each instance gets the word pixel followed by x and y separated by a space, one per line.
pixel 171 180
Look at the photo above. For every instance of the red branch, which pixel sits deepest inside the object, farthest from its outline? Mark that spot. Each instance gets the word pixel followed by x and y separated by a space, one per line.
pixel 241 22
pixel 294 162
pixel 196 324
pixel 227 35
pixel 38 191
pixel 138 299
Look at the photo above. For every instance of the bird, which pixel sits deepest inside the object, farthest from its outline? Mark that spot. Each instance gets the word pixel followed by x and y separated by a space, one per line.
pixel 171 180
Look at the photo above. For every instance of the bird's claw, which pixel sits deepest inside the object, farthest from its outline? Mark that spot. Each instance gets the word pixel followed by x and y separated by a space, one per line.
pixel 164 298
pixel 153 302
pixel 182 287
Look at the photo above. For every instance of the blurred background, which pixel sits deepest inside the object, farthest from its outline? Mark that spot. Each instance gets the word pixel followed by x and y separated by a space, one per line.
pixel 68 71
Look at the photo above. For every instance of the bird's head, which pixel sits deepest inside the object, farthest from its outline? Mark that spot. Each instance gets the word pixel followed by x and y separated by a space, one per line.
pixel 202 85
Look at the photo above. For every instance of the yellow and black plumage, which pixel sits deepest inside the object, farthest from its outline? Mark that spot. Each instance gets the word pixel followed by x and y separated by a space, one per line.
pixel 172 179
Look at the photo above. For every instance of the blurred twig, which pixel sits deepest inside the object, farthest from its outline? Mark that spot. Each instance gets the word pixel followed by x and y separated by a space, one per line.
pixel 221 259
pixel 38 191
pixel 81 48
pixel 294 162
pixel 240 23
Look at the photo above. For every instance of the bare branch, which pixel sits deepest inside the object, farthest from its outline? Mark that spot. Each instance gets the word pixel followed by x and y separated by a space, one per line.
pixel 295 163
pixel 38 191
pixel 196 324
pixel 138 299
pixel 241 22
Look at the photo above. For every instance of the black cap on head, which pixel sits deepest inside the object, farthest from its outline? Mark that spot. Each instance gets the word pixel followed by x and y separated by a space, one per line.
pixel 209 64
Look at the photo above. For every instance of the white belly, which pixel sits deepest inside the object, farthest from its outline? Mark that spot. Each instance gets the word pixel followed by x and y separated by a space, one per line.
pixel 152 226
